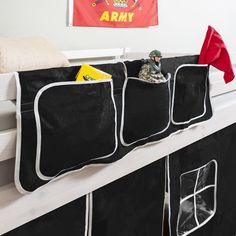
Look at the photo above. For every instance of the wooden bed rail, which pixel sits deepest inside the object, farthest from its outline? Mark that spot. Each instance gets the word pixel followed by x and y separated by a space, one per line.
pixel 7 144
pixel 7 87
pixel 95 53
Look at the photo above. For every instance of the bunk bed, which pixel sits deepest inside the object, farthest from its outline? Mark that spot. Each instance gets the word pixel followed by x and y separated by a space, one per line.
pixel 17 209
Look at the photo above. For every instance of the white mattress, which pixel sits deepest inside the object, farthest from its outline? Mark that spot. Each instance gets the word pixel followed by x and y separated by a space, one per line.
pixel 7 115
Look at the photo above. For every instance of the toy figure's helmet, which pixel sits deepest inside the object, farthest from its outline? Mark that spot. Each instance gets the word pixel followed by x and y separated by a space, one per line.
pixel 155 53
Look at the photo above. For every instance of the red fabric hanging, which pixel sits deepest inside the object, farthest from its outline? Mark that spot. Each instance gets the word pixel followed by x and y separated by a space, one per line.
pixel 214 53
pixel 113 13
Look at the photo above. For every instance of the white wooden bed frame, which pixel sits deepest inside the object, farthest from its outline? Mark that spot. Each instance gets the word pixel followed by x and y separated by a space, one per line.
pixel 17 209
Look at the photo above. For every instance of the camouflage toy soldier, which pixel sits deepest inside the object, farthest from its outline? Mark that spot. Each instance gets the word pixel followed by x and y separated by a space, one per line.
pixel 151 69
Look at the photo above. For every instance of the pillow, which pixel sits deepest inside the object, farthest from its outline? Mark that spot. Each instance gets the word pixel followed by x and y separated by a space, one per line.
pixel 30 53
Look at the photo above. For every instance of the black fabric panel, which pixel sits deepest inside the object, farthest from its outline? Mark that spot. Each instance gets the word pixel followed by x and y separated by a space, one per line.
pixel 67 220
pixel 27 173
pixel 132 205
pixel 31 82
pixel 133 67
pixel 77 125
pixel 118 74
pixel 220 146
pixel 169 65
pixel 189 94
pixel 146 109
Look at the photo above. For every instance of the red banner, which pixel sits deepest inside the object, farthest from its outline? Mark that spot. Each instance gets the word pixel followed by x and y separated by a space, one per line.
pixel 113 13
pixel 215 53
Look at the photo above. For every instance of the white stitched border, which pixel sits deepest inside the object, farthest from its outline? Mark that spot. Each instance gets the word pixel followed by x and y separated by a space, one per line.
pixel 18 137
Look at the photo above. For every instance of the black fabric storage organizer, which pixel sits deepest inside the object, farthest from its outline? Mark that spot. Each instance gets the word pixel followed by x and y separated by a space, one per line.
pixel 59 120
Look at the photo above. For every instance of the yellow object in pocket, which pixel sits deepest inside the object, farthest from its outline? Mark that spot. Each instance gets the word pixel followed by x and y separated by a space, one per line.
pixel 88 72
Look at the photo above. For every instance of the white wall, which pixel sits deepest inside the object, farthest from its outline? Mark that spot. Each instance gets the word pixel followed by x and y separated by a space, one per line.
pixel 182 25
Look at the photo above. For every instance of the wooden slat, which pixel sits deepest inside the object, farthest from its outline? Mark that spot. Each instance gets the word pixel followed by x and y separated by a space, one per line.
pixel 217 84
pixel 7 115
pixel 7 144
pixel 7 87
pixel 7 172
pixel 16 209
pixel 95 53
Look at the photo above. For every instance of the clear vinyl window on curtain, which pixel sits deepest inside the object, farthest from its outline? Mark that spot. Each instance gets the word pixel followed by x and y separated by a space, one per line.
pixel 197 198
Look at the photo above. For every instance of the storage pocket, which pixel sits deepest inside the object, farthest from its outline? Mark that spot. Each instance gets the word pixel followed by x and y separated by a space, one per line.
pixel 145 111
pixel 190 92
pixel 76 123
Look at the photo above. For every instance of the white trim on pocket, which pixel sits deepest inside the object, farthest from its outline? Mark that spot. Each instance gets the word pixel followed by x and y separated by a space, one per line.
pixel 168 189
pixel 38 123
pixel 123 109
pixel 90 219
pixel 18 137
pixel 214 186
pixel 173 97
pixel 88 215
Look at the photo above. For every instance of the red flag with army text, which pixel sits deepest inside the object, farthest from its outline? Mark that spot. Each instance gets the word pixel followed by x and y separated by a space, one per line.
pixel 113 13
